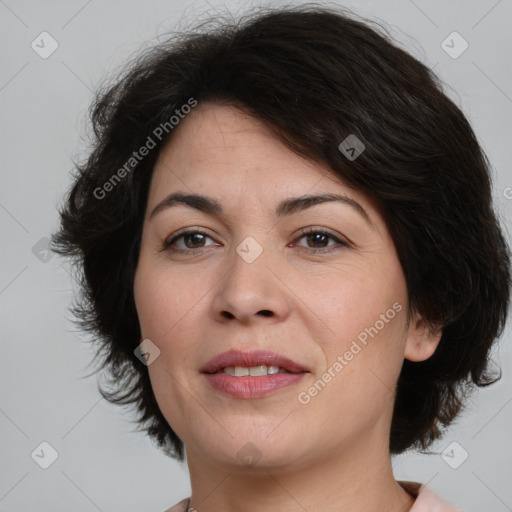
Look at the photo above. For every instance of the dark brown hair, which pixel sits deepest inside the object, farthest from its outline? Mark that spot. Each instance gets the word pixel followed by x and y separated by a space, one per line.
pixel 315 75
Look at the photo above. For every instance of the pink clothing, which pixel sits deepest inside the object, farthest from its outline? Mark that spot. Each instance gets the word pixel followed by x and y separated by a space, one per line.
pixel 426 500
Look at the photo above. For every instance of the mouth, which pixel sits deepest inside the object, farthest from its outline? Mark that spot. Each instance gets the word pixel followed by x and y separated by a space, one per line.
pixel 254 363
pixel 253 371
pixel 251 374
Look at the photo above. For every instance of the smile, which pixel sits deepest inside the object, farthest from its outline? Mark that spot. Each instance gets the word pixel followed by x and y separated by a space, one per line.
pixel 253 371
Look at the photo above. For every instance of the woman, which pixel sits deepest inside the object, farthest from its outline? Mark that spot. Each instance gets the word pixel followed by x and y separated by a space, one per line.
pixel 290 258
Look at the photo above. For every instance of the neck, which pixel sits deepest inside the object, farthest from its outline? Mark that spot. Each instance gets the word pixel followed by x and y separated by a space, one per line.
pixel 352 479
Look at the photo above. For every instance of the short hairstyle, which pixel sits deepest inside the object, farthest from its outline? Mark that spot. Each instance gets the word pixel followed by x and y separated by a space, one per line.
pixel 314 75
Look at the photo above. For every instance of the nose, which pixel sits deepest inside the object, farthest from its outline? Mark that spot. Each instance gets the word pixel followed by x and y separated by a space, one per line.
pixel 252 288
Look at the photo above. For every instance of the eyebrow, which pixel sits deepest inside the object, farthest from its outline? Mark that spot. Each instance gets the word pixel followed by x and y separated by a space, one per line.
pixel 286 207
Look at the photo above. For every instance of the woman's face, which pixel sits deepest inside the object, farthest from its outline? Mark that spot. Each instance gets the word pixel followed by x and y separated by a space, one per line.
pixel 250 280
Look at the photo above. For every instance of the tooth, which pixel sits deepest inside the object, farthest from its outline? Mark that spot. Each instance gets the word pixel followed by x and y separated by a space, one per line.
pixel 253 371
pixel 241 371
pixel 258 371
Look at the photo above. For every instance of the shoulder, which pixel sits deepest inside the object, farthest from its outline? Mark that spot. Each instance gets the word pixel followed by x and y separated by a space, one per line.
pixel 179 507
pixel 426 499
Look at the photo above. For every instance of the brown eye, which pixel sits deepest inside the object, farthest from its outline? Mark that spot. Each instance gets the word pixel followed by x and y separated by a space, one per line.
pixel 318 240
pixel 191 240
pixel 195 240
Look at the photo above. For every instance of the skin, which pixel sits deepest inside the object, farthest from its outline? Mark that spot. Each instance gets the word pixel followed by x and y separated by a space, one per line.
pixel 332 453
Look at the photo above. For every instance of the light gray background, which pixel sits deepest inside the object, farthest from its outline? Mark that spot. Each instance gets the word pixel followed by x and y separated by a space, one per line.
pixel 102 463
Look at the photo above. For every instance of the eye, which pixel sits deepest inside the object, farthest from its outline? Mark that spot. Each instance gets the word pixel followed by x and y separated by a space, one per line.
pixel 193 239
pixel 320 237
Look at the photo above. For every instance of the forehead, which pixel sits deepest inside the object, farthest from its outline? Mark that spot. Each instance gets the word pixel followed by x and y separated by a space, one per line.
pixel 214 141
pixel 226 153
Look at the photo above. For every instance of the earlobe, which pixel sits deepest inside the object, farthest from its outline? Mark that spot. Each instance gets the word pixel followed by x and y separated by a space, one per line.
pixel 421 341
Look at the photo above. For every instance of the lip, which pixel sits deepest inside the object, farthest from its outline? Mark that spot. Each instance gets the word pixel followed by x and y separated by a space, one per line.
pixel 251 387
pixel 248 359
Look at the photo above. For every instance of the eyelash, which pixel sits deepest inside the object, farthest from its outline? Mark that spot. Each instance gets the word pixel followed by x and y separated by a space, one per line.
pixel 307 231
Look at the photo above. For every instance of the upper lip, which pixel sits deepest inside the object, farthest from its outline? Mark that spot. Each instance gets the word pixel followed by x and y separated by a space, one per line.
pixel 249 359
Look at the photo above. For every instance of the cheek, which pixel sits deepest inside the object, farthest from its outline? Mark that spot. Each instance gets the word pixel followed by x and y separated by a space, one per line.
pixel 165 299
pixel 356 391
pixel 350 298
pixel 365 312
pixel 168 309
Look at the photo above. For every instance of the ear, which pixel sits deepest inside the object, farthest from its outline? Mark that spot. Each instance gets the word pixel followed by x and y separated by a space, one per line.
pixel 421 341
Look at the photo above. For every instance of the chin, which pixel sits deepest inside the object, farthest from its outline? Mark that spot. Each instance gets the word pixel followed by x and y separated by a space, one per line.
pixel 255 446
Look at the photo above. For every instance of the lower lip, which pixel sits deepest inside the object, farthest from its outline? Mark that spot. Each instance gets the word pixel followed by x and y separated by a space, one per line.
pixel 252 387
